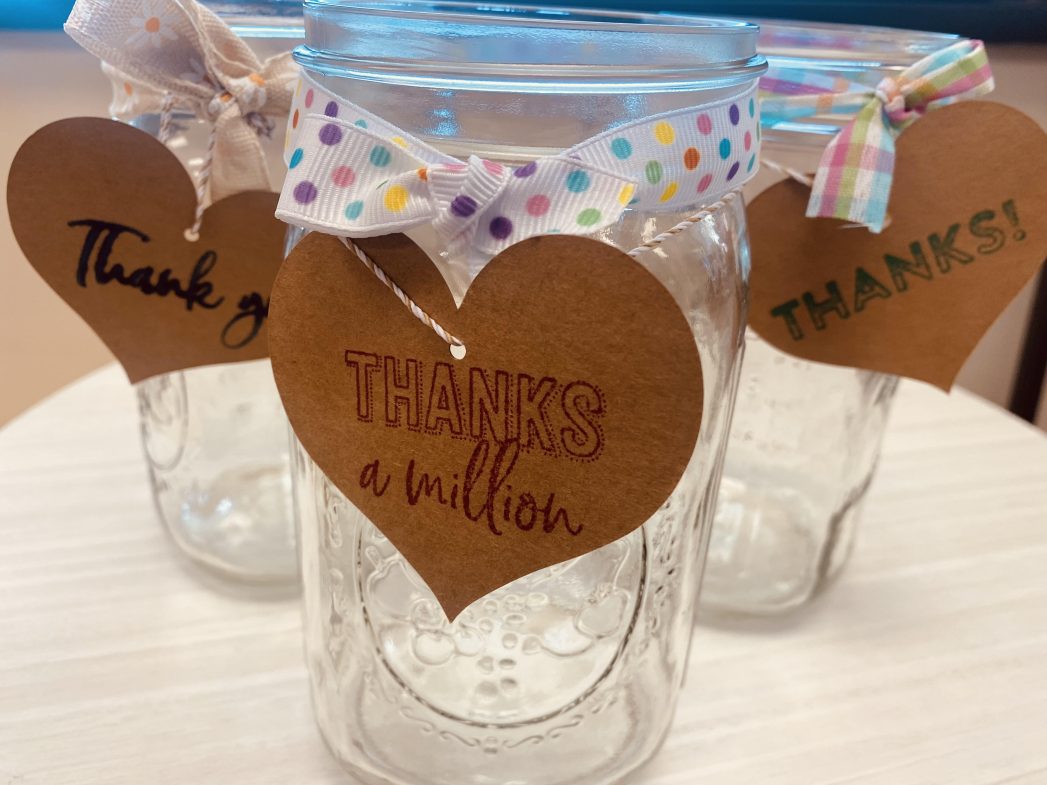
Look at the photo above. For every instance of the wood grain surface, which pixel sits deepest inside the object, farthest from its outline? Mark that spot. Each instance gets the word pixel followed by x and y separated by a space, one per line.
pixel 924 665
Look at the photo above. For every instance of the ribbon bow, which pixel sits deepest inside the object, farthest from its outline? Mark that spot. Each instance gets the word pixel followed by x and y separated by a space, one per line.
pixel 352 173
pixel 158 51
pixel 853 181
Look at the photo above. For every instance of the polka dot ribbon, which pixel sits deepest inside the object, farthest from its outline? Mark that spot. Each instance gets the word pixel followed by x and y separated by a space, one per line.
pixel 180 53
pixel 351 173
pixel 853 180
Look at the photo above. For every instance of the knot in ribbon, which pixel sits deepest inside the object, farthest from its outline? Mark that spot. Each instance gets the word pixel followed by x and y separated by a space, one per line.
pixel 178 51
pixel 352 173
pixel 889 93
pixel 853 180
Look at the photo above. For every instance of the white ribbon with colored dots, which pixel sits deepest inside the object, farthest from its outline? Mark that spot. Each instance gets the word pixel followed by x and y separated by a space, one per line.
pixel 353 174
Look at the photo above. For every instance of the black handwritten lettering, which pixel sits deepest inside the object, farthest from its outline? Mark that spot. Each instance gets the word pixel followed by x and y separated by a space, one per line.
pixel 100 241
pixel 253 308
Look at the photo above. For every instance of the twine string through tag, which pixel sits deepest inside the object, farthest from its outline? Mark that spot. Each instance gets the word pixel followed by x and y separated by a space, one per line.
pixel 166 118
pixel 479 208
pixel 456 344
pixel 401 295
pixel 684 225
pixel 203 179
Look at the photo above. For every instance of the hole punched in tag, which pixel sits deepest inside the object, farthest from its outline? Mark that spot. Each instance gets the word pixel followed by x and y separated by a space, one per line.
pixel 192 234
pixel 457 347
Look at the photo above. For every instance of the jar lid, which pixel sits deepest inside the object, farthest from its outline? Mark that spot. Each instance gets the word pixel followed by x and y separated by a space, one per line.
pixel 524 48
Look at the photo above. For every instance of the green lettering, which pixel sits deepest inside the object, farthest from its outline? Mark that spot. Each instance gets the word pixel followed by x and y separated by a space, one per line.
pixel 866 288
pixel 900 267
pixel 997 237
pixel 785 311
pixel 818 309
pixel 944 253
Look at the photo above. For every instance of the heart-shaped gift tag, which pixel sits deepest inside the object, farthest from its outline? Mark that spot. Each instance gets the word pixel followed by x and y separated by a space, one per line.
pixel 100 209
pixel 566 425
pixel 968 230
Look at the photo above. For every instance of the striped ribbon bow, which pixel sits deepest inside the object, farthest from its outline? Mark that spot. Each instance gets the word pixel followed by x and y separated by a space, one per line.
pixel 853 181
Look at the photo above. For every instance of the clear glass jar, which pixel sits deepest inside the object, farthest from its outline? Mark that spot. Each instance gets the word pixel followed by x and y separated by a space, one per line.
pixel 806 436
pixel 215 437
pixel 570 674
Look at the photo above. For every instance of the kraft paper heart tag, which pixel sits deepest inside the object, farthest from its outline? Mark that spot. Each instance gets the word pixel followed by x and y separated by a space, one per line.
pixel 568 422
pixel 968 230
pixel 100 210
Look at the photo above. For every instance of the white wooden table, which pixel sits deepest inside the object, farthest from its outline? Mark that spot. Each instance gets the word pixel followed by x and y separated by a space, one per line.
pixel 925 664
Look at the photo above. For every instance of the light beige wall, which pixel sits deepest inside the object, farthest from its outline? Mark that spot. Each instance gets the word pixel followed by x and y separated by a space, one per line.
pixel 43 345
pixel 1041 417
pixel 1021 81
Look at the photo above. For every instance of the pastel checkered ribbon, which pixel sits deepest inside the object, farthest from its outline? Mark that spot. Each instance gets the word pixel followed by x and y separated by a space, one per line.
pixel 853 181
pixel 180 53
pixel 353 174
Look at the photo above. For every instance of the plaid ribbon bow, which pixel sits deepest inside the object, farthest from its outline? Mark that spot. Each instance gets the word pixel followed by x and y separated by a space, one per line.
pixel 853 181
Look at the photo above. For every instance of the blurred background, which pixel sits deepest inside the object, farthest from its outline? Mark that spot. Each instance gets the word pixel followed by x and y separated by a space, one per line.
pixel 45 77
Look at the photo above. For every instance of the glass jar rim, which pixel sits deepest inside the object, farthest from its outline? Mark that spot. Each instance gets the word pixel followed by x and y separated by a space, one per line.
pixel 522 48
pixel 831 46
pixel 522 14
pixel 261 18
pixel 863 54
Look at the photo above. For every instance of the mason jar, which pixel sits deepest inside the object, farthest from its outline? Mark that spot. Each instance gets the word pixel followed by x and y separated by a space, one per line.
pixel 806 436
pixel 570 674
pixel 215 437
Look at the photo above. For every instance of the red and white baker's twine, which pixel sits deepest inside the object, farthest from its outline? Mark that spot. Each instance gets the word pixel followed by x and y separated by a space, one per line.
pixel 454 341
pixel 684 225
pixel 419 314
